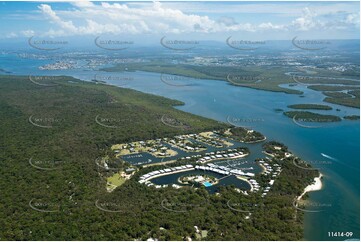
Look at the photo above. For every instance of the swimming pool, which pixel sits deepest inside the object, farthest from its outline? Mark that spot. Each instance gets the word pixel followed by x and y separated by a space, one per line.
pixel 207 184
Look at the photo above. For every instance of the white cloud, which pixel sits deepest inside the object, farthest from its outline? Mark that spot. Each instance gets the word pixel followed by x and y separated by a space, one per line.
pixel 65 25
pixel 11 35
pixel 116 18
pixel 270 26
pixel 119 18
pixel 353 18
pixel 83 4
pixel 28 33
pixel 307 21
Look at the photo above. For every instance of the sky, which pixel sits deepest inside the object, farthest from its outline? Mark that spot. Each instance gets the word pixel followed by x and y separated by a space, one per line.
pixel 203 20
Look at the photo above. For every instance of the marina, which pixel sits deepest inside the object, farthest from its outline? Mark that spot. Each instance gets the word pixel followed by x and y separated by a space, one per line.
pixel 172 180
pixel 222 173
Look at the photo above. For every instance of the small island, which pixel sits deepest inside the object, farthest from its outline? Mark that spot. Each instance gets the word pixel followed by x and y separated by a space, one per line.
pixel 310 106
pixel 307 116
pixel 352 117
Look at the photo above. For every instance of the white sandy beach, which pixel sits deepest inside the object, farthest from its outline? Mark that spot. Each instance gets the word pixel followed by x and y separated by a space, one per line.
pixel 316 186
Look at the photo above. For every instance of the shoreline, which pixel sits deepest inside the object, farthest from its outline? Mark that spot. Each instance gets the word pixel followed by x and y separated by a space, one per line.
pixel 316 186
pixel 257 141
pixel 168 173
pixel 244 179
pixel 269 154
pixel 226 158
pixel 160 163
pixel 264 169
pixel 217 159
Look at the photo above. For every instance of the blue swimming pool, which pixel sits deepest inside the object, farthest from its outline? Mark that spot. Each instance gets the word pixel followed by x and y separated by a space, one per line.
pixel 207 184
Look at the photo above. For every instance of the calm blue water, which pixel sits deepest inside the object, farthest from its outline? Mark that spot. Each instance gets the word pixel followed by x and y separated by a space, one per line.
pixel 256 109
pixel 230 180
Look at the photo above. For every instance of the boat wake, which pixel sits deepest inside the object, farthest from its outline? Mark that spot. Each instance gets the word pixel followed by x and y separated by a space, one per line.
pixel 328 157
pixel 337 161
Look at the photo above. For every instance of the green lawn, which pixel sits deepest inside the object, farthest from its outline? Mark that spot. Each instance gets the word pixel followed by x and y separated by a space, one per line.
pixel 116 180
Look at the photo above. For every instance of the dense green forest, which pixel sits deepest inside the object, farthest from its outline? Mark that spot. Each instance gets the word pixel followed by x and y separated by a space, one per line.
pixel 52 189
